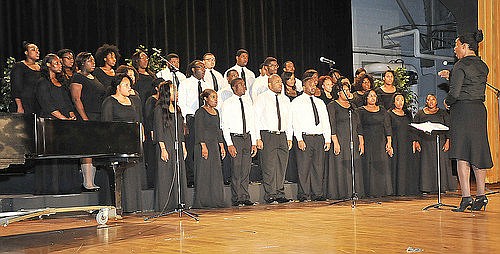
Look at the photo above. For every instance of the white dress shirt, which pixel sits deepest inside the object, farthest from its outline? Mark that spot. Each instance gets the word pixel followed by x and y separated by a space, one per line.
pixel 231 119
pixel 188 95
pixel 249 76
pixel 266 117
pixel 259 86
pixel 298 85
pixel 221 81
pixel 303 117
pixel 166 74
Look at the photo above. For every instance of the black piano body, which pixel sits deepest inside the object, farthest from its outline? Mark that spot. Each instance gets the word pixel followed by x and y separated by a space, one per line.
pixel 27 137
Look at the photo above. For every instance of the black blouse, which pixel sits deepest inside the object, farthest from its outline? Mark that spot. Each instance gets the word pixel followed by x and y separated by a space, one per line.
pixel 144 86
pixel 385 99
pixel 23 83
pixel 93 93
pixel 468 80
pixel 104 78
pixel 112 110
pixel 51 98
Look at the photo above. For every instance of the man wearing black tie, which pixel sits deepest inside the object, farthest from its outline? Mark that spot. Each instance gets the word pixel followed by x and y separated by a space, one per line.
pixel 273 120
pixel 213 78
pixel 311 127
pixel 241 62
pixel 190 101
pixel 237 120
pixel 172 72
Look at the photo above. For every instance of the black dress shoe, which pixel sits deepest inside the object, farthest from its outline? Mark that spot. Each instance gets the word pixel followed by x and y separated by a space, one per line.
pixel 479 203
pixel 464 204
pixel 236 203
pixel 89 190
pixel 320 199
pixel 283 200
pixel 247 203
pixel 302 199
pixel 271 201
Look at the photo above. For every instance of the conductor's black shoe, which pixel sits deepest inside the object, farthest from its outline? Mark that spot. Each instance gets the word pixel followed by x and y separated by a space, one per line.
pixel 283 200
pixel 247 203
pixel 94 189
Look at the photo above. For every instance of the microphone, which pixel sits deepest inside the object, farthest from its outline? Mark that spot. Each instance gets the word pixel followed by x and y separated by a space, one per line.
pixel 326 60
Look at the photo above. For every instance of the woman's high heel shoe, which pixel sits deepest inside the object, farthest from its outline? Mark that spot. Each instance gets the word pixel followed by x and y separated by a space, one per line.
pixel 480 202
pixel 464 204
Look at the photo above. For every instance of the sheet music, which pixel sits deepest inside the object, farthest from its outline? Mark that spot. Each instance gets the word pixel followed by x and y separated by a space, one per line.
pixel 429 127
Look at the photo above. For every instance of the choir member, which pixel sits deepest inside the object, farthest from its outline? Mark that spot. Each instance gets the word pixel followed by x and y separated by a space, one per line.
pixel 387 90
pixel 367 83
pixel 144 83
pixel 208 152
pixel 311 127
pixel 87 94
pixel 358 78
pixel 261 83
pixel 247 75
pixel 404 170
pixel 54 176
pixel 68 65
pixel 273 121
pixel 172 71
pixel 118 107
pixel 289 66
pixel 345 124
pixel 238 125
pixel 24 77
pixel 326 84
pixel 289 85
pixel 106 57
pixel 214 79
pixel 427 146
pixel 377 133
pixel 170 166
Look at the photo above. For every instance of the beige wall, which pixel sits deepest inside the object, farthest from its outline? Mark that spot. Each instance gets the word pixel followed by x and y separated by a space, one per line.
pixel 489 50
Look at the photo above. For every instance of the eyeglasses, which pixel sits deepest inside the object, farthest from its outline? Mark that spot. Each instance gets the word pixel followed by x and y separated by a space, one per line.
pixel 68 57
pixel 274 65
pixel 209 59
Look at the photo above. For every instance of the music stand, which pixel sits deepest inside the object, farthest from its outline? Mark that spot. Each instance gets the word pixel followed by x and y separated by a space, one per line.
pixel 434 129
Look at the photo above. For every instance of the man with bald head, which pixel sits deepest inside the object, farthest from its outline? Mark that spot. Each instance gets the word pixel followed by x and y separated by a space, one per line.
pixel 274 122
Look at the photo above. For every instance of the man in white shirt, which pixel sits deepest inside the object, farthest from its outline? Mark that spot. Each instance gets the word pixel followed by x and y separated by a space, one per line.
pixel 290 67
pixel 273 120
pixel 189 101
pixel 241 62
pixel 261 83
pixel 238 127
pixel 172 72
pixel 311 127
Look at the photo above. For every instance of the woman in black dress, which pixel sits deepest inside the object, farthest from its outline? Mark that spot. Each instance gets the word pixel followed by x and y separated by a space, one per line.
pixel 404 177
pixel 165 133
pixel 106 57
pixel 208 152
pixel 377 134
pixel 326 84
pixel 387 90
pixel 366 85
pixel 24 77
pixel 54 176
pixel 144 84
pixel 87 94
pixel 468 130
pixel 339 170
pixel 291 174
pixel 426 144
pixel 120 108
pixel 68 65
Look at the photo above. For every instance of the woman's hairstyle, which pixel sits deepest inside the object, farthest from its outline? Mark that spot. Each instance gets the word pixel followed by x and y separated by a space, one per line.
pixel 81 58
pixel 125 68
pixel 164 102
pixel 103 51
pixel 393 100
pixel 473 39
pixel 365 97
pixel 393 74
pixel 206 93
pixel 61 53
pixel 338 88
pixel 116 81
pixel 359 70
pixel 45 69
pixel 135 62
pixel 359 82
pixel 26 44
pixel 322 79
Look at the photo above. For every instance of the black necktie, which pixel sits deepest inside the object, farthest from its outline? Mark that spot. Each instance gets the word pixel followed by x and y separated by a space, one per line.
pixel 216 86
pixel 243 75
pixel 315 111
pixel 278 112
pixel 200 90
pixel 243 117
pixel 176 80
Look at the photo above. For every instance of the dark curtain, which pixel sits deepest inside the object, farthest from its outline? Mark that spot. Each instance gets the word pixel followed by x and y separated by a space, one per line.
pixel 296 30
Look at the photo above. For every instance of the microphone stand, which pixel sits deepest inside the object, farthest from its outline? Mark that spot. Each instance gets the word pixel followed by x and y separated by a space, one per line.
pixel 354 197
pixel 181 207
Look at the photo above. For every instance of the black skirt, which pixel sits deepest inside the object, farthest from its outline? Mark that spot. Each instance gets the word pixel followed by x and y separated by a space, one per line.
pixel 469 135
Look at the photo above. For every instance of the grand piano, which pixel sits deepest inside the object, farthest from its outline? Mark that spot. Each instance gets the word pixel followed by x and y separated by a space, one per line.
pixel 28 137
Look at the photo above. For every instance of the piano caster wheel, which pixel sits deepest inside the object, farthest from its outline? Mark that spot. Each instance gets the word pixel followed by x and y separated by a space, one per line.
pixel 102 217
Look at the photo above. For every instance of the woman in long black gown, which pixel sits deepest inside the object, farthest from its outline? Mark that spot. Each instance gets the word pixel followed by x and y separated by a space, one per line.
pixel 366 84
pixel 55 176
pixel 387 90
pixel 164 129
pixel 377 134
pixel 24 77
pixel 87 94
pixel 120 108
pixel 144 84
pixel 208 151
pixel 339 170
pixel 106 58
pixel 68 65
pixel 291 174
pixel 427 146
pixel 404 167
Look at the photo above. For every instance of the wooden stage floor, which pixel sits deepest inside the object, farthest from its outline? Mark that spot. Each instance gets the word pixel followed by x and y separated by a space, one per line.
pixel 388 225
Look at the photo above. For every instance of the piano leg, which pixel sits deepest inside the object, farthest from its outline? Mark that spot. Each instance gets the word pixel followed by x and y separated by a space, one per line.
pixel 118 187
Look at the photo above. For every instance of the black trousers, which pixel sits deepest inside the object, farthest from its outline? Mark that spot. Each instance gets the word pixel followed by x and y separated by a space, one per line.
pixel 240 169
pixel 274 161
pixel 311 167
